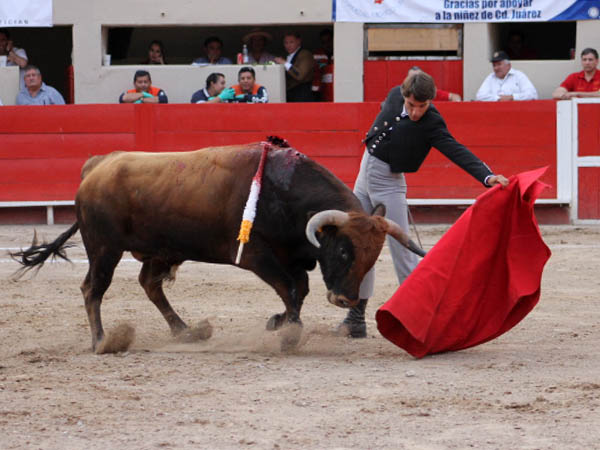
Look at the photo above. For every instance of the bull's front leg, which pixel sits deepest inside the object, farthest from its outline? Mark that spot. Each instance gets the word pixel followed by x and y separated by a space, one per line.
pixel 289 322
pixel 290 285
pixel 291 314
pixel 292 332
pixel 296 295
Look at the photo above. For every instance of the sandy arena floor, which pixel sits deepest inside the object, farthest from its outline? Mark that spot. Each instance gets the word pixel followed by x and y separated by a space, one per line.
pixel 536 387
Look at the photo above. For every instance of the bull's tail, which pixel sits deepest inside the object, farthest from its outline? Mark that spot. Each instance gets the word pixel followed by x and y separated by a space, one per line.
pixel 36 255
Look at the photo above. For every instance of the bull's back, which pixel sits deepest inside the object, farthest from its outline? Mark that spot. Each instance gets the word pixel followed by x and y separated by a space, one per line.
pixel 181 200
pixel 174 178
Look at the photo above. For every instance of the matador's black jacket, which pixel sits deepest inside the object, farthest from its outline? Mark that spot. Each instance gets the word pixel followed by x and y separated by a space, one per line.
pixel 404 144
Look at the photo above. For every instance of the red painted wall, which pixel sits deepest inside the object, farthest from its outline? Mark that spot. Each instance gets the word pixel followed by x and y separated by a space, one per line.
pixel 381 76
pixel 588 200
pixel 43 148
pixel 589 129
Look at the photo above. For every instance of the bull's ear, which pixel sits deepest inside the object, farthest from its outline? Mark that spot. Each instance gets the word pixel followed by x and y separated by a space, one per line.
pixel 379 210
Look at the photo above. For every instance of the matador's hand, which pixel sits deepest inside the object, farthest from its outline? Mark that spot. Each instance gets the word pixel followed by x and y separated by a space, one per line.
pixel 495 179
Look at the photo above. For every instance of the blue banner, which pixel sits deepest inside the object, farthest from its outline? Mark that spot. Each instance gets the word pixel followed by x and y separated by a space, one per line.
pixel 462 11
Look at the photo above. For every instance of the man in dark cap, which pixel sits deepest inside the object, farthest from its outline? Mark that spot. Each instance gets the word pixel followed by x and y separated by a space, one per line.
pixel 505 83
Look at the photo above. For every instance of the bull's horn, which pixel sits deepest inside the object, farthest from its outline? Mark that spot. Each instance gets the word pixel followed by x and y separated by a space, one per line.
pixel 398 233
pixel 329 217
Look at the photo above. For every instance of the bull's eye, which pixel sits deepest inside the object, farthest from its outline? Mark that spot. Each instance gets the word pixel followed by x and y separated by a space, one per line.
pixel 344 254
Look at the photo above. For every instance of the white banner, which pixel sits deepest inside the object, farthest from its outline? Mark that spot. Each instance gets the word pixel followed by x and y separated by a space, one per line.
pixel 25 13
pixel 462 11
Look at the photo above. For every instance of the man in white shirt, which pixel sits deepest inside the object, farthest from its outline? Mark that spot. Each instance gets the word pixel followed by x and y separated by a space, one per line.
pixel 505 83
pixel 14 56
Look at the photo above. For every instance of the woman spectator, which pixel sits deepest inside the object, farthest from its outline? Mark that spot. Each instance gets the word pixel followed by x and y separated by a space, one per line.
pixel 156 53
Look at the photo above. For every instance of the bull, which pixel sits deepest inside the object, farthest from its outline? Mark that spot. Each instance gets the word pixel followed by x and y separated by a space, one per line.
pixel 167 208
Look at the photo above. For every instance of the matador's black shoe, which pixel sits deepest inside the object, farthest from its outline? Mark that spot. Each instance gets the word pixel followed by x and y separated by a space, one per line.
pixel 354 324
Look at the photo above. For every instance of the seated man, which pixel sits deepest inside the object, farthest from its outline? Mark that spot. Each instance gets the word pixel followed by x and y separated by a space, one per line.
pixel 440 95
pixel 256 41
pixel 213 47
pixel 14 56
pixel 143 91
pixel 299 69
pixel 505 83
pixel 215 91
pixel 36 92
pixel 581 84
pixel 247 91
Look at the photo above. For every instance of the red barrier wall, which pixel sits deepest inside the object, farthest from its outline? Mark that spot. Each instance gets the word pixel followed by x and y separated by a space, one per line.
pixel 588 192
pixel 589 129
pixel 381 76
pixel 43 148
pixel 588 204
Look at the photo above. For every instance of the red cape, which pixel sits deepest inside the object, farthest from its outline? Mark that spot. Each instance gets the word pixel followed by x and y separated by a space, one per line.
pixel 478 281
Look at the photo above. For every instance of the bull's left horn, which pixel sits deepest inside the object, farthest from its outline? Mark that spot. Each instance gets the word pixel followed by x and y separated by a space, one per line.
pixel 398 233
pixel 329 217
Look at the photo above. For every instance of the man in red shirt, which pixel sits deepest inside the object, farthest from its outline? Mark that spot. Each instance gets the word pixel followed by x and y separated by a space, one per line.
pixel 581 84
pixel 440 95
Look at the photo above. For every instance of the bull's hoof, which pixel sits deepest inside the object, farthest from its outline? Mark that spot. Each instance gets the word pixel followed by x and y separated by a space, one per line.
pixel 356 330
pixel 275 322
pixel 117 340
pixel 290 336
pixel 200 332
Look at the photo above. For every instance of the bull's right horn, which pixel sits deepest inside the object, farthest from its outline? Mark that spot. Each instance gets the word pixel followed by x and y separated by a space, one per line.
pixel 329 217
pixel 398 233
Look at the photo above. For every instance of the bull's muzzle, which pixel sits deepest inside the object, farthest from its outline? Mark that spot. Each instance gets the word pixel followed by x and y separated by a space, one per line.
pixel 341 300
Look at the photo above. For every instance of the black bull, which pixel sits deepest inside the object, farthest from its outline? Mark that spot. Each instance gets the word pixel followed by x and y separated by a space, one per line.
pixel 166 208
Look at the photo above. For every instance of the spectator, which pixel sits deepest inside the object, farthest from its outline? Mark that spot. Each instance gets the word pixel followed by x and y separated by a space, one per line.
pixel 324 54
pixel 299 67
pixel 440 95
pixel 215 91
pixel 400 138
pixel 36 92
pixel 213 47
pixel 143 91
pixel 256 41
pixel 14 56
pixel 156 53
pixel 1 104
pixel 247 91
pixel 516 48
pixel 323 75
pixel 505 83
pixel 581 84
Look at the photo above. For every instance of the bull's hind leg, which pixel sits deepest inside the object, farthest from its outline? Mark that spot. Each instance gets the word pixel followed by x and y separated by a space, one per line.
pixel 151 278
pixel 95 284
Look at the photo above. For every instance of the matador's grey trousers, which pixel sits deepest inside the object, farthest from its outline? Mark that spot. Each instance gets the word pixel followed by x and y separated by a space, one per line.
pixel 376 184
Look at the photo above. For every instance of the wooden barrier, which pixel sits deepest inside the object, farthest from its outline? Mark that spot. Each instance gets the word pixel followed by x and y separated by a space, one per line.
pixel 43 148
